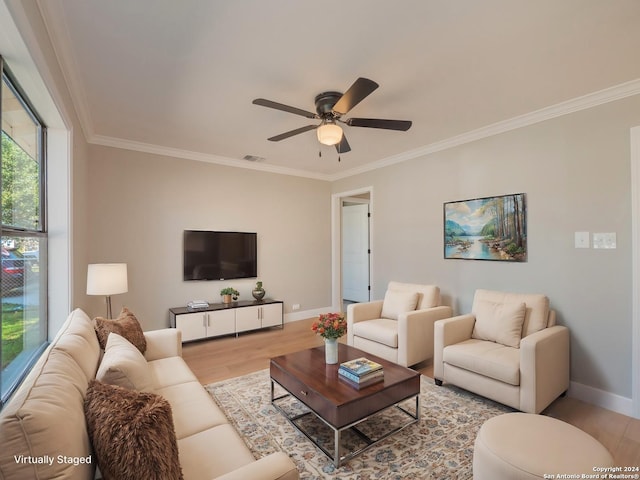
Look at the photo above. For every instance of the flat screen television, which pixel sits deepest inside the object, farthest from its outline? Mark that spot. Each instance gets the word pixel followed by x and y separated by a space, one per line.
pixel 212 255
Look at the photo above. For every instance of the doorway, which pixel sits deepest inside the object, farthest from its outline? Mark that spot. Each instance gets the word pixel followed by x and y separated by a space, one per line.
pixel 355 249
pixel 351 247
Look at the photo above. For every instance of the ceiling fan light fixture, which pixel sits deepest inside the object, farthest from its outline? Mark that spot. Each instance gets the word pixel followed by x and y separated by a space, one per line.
pixel 329 133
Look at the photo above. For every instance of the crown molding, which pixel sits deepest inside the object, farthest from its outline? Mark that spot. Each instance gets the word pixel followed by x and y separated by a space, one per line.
pixel 62 48
pixel 200 157
pixel 617 92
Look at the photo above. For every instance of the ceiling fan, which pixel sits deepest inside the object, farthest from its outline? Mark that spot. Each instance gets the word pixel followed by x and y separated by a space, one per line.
pixel 330 108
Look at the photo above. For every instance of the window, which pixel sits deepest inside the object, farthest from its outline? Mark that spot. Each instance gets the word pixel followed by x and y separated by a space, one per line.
pixel 23 237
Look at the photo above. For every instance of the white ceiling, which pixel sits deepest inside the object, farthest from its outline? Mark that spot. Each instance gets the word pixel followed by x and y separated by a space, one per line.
pixel 178 77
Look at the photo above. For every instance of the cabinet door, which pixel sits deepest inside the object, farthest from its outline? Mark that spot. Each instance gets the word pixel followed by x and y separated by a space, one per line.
pixel 247 318
pixel 271 315
pixel 192 326
pixel 222 322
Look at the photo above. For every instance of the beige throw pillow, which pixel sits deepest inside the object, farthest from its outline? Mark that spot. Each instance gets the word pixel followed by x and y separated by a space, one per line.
pixel 124 365
pixel 132 434
pixel 398 302
pixel 499 322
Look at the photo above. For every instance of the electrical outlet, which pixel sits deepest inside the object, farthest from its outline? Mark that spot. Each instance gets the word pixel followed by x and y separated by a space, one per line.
pixel 295 306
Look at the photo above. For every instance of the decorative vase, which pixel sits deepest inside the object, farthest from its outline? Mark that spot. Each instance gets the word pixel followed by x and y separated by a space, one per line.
pixel 258 293
pixel 226 298
pixel 331 350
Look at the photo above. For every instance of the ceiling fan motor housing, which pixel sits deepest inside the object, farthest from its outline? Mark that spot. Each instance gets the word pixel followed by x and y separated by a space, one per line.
pixel 325 102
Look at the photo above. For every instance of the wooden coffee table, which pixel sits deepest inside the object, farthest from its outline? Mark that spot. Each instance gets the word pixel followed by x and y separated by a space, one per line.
pixel 307 377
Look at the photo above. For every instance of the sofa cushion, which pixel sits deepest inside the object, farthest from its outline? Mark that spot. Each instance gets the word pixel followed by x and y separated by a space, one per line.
pixel 397 302
pixel 124 365
pixel 499 322
pixel 126 325
pixel 187 398
pixel 170 371
pixel 132 433
pixel 485 358
pixel 380 330
pixel 45 415
pixel 213 452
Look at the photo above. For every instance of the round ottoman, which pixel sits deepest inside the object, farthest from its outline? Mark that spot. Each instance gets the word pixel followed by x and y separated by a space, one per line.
pixel 518 446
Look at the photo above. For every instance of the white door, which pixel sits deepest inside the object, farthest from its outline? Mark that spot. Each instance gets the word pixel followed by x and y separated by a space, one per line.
pixel 355 252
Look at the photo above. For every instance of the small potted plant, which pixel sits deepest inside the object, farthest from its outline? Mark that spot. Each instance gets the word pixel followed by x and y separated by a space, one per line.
pixel 228 294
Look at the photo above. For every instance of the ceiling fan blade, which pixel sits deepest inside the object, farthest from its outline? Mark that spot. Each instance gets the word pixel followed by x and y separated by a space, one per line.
pixel 357 92
pixel 402 125
pixel 285 108
pixel 291 133
pixel 343 146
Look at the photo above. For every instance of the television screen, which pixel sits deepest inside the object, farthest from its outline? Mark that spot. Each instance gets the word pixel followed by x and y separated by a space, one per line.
pixel 219 255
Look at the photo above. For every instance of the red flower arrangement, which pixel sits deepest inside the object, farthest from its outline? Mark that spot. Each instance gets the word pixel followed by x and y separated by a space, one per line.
pixel 330 325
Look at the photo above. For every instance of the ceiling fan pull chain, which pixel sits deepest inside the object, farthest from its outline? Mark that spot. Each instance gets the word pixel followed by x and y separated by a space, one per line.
pixel 320 153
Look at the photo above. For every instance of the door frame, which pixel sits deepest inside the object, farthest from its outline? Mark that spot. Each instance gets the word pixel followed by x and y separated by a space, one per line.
pixel 336 243
pixel 635 288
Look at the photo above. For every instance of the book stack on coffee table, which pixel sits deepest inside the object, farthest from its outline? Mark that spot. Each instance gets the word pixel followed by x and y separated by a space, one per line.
pixel 361 372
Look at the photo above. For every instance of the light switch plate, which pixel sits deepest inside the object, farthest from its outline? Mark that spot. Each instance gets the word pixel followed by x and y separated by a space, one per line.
pixel 604 240
pixel 582 239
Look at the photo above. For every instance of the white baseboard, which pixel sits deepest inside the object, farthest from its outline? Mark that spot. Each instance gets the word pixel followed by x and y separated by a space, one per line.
pixel 304 314
pixel 601 398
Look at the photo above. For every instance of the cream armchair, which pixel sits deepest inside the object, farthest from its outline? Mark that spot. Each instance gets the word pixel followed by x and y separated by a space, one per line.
pixel 509 350
pixel 400 327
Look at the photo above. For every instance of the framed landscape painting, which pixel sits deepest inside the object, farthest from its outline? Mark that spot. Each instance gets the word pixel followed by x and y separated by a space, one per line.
pixel 491 228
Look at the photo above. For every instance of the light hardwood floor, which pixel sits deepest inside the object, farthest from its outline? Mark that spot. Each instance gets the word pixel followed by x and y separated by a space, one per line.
pixel 229 357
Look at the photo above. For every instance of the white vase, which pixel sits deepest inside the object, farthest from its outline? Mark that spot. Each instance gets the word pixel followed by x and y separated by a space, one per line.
pixel 331 350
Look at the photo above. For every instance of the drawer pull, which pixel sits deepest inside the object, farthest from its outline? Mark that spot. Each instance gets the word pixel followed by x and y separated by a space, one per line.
pixel 303 393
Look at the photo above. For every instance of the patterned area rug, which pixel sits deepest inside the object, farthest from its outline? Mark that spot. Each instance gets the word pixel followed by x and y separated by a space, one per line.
pixel 439 447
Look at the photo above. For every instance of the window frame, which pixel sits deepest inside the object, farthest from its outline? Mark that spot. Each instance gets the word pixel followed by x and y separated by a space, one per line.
pixel 8 80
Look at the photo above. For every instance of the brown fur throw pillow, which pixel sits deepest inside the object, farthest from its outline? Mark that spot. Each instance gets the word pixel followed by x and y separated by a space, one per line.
pixel 126 325
pixel 132 434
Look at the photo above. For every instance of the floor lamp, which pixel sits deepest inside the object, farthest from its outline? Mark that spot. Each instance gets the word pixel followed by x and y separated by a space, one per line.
pixel 107 279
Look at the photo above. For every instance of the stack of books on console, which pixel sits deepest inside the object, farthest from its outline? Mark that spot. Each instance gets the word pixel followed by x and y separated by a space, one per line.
pixel 361 372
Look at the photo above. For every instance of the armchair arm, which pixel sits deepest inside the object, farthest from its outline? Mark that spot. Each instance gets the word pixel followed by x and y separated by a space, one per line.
pixel 544 367
pixel 358 312
pixel 449 332
pixel 415 334
pixel 163 343
pixel 277 466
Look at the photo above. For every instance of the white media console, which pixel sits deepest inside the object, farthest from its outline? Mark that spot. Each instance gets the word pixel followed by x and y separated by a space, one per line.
pixel 219 319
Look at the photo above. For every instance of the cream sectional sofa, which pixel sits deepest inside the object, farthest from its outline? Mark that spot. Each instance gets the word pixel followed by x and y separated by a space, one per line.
pixel 43 433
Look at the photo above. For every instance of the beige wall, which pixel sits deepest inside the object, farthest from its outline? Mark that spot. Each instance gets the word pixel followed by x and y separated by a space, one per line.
pixel 141 203
pixel 575 172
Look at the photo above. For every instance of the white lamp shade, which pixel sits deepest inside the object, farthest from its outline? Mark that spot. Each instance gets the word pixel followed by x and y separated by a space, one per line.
pixel 107 279
pixel 329 134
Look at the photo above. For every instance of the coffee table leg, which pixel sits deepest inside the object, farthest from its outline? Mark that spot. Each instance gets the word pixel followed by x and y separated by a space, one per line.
pixel 336 447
